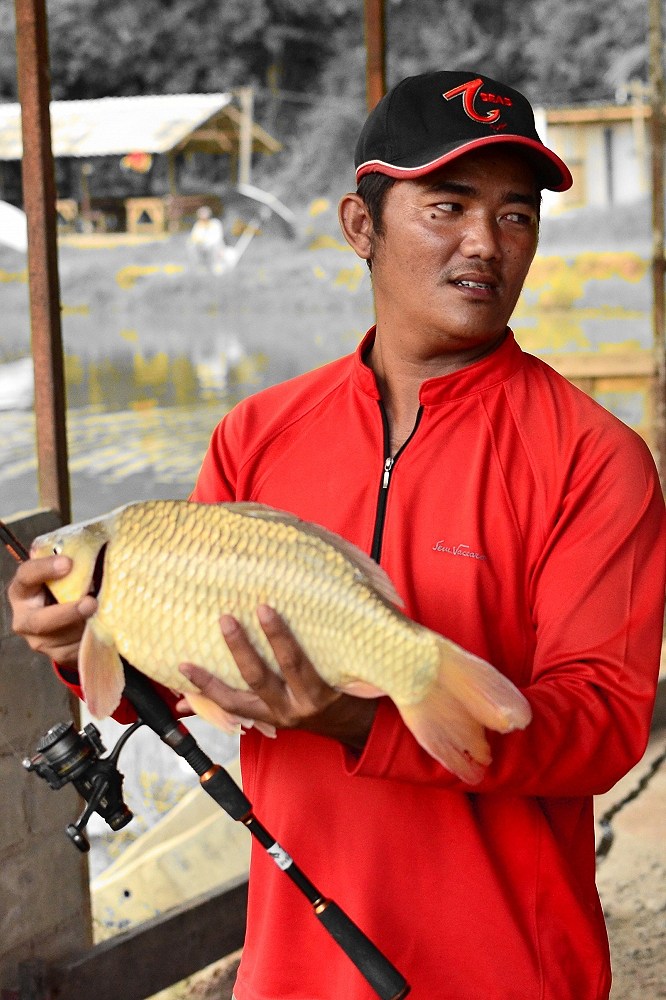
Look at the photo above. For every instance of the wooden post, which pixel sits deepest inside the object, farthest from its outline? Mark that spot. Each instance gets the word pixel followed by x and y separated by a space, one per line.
pixel 375 46
pixel 246 98
pixel 39 199
pixel 657 95
pixel 173 173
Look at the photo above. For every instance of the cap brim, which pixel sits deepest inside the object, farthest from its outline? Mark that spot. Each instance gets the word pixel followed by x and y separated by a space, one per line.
pixel 552 172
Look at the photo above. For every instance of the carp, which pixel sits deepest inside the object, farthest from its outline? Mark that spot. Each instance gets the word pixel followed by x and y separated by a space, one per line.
pixel 170 568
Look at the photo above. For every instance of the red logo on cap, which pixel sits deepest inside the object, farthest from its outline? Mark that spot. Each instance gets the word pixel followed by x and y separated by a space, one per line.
pixel 469 92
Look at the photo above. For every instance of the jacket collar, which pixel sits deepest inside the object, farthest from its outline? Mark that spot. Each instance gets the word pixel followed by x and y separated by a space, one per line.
pixel 490 370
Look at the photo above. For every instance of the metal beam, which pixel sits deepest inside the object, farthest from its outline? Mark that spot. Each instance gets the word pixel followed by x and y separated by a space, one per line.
pixel 657 95
pixel 375 44
pixel 39 198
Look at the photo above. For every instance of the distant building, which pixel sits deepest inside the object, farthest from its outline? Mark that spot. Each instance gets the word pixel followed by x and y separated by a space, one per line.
pixel 133 134
pixel 607 149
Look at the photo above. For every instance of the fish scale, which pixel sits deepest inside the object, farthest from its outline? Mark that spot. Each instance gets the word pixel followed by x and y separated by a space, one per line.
pixel 171 568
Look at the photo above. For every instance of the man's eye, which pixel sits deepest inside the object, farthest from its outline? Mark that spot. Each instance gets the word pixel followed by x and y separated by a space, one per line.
pixel 448 206
pixel 520 217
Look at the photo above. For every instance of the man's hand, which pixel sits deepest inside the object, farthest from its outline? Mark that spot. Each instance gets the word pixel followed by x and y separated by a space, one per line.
pixel 52 629
pixel 297 698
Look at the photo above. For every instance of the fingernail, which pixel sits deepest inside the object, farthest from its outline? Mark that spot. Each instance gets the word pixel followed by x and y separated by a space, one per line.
pixel 265 614
pixel 87 606
pixel 228 625
pixel 186 670
pixel 62 564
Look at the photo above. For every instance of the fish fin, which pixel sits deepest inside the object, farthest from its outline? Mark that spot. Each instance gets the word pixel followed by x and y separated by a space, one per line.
pixel 488 695
pixel 100 670
pixel 264 727
pixel 361 689
pixel 446 730
pixel 210 711
pixel 377 577
pixel 466 696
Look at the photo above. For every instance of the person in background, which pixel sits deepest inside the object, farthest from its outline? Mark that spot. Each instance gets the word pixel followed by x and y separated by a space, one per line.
pixel 206 240
pixel 514 515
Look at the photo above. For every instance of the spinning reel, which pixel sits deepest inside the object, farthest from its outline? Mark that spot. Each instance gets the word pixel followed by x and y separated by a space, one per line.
pixel 65 756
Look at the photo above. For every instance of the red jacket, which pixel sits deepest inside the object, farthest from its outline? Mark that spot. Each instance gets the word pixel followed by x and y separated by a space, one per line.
pixel 526 523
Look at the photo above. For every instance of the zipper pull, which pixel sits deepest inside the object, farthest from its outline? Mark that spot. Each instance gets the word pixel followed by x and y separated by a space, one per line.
pixel 388 465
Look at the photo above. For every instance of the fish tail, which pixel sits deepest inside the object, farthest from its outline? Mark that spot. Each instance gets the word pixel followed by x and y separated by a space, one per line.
pixel 466 696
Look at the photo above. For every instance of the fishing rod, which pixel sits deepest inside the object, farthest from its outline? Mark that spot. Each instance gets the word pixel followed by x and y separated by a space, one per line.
pixel 64 756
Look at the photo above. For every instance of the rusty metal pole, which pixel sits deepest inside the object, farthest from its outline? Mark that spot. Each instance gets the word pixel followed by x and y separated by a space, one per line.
pixel 39 199
pixel 656 62
pixel 375 47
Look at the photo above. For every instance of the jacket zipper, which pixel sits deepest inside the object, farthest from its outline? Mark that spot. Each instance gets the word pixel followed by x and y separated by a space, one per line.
pixel 389 464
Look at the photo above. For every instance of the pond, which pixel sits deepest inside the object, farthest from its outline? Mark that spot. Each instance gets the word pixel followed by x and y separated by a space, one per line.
pixel 157 348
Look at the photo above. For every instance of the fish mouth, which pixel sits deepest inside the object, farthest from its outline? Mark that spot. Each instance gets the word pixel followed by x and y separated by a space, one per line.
pixel 98 573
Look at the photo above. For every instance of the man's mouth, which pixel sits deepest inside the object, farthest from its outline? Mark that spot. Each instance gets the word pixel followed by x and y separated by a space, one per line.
pixel 463 283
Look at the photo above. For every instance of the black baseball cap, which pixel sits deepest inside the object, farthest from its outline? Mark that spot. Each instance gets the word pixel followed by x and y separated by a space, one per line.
pixel 428 120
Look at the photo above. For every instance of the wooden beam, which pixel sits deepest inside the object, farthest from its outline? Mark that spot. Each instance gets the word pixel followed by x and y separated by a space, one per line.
pixel 595 364
pixel 150 957
pixel 211 137
pixel 262 141
pixel 39 200
pixel 591 114
pixel 246 99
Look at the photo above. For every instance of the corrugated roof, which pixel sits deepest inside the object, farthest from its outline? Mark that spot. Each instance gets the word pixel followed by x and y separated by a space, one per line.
pixel 110 126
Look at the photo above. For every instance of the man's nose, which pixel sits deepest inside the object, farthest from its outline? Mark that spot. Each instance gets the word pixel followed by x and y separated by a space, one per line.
pixel 482 237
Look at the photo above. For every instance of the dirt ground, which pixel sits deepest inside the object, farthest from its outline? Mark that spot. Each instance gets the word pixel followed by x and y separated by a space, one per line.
pixel 632 882
pixel 632 885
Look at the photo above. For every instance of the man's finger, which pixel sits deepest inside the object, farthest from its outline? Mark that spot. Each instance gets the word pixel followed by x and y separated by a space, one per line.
pixel 32 575
pixel 245 704
pixel 257 675
pixel 299 673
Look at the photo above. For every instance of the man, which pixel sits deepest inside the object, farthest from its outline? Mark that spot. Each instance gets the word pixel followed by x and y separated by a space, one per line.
pixel 514 515
pixel 206 240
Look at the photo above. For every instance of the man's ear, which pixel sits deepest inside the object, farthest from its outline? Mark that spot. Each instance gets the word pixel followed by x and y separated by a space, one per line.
pixel 356 225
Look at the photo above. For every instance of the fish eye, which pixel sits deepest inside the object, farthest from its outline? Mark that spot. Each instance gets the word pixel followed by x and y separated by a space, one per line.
pixel 57 548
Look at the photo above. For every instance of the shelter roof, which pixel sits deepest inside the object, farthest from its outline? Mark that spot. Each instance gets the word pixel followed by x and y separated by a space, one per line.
pixel 113 126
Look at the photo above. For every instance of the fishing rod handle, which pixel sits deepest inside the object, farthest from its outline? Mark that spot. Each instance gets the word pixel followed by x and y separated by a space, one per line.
pixel 384 978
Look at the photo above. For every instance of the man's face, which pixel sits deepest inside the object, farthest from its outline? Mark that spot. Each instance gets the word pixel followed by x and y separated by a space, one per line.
pixel 454 251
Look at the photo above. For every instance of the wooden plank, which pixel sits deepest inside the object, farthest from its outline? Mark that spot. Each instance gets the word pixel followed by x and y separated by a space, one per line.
pixel 594 364
pixel 592 114
pixel 150 957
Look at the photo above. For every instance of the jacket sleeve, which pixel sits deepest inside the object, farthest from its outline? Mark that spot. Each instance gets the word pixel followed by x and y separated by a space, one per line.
pixel 597 599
